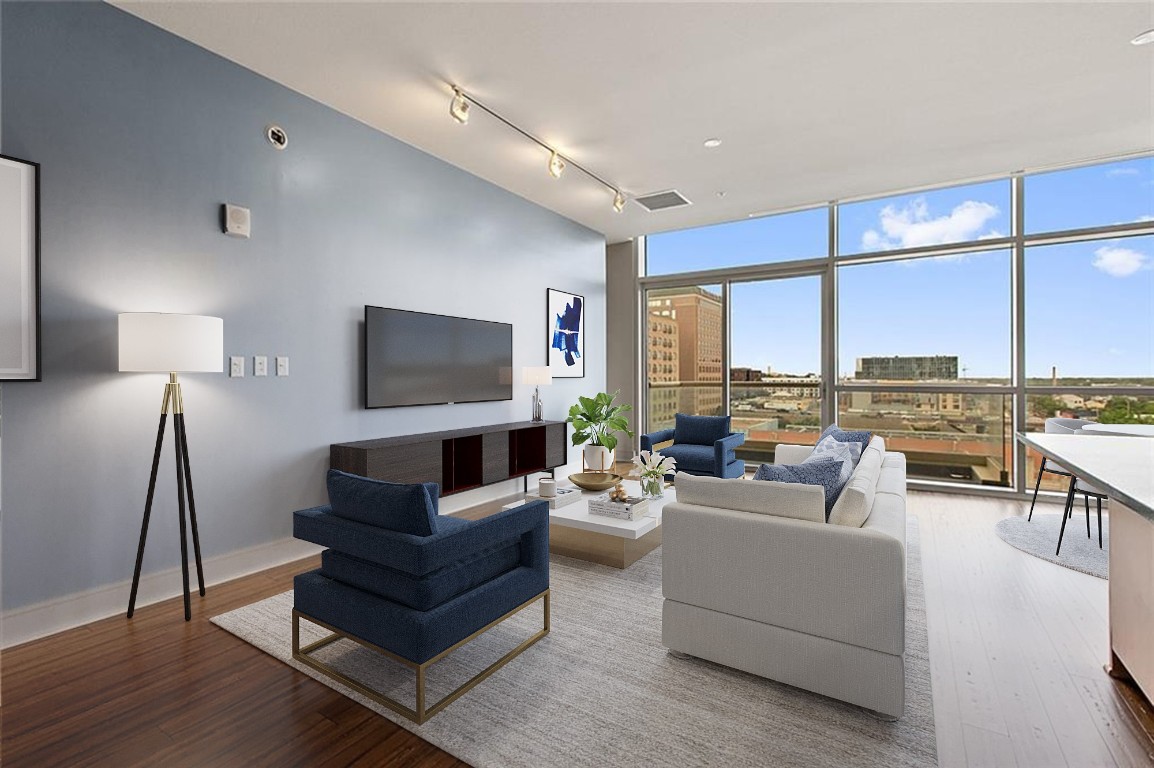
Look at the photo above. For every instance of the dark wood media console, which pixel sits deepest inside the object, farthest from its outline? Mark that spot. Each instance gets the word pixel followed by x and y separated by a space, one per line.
pixel 458 459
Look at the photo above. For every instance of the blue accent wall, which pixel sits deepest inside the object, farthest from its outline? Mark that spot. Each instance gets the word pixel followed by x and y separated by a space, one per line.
pixel 141 136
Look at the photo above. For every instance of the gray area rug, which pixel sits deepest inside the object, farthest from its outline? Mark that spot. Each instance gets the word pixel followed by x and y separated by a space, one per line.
pixel 600 690
pixel 1039 538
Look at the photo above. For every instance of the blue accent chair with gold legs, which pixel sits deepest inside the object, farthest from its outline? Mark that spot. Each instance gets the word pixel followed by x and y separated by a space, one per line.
pixel 702 445
pixel 413 585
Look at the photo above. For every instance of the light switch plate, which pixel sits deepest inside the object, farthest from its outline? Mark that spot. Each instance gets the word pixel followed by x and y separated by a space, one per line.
pixel 260 365
pixel 281 366
pixel 236 366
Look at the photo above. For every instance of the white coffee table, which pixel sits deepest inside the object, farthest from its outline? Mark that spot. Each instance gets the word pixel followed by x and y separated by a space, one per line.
pixel 574 532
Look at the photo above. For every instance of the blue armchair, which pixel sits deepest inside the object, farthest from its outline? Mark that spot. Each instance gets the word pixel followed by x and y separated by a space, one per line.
pixel 413 585
pixel 702 445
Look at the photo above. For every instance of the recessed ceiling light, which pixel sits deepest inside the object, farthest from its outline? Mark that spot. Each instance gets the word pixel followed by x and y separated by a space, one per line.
pixel 1145 38
pixel 712 143
pixel 721 193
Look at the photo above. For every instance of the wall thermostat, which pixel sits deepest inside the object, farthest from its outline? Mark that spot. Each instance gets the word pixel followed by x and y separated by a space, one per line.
pixel 276 136
pixel 235 221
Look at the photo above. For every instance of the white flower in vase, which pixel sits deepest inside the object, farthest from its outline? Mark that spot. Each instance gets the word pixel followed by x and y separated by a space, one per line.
pixel 652 468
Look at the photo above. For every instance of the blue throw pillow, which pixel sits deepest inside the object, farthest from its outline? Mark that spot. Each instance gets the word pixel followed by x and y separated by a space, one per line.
pixel 858 436
pixel 393 506
pixel 700 430
pixel 824 472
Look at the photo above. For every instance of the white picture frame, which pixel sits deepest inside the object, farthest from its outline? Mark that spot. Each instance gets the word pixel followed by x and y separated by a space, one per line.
pixel 19 270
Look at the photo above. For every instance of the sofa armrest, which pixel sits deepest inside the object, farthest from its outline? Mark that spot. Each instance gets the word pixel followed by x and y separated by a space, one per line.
pixel 724 448
pixel 419 555
pixel 653 438
pixel 845 584
pixel 791 454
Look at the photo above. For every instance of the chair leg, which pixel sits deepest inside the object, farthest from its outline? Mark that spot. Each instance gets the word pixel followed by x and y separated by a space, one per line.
pixel 1099 500
pixel 1086 501
pixel 1037 485
pixel 1066 514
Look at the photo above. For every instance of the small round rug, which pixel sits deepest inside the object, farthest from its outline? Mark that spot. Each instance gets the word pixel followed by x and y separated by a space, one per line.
pixel 1040 537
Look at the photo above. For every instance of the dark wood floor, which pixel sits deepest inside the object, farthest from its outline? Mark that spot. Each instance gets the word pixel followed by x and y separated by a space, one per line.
pixel 1016 648
pixel 157 691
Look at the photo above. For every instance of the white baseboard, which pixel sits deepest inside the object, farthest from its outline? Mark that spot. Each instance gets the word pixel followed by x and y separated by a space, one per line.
pixel 56 615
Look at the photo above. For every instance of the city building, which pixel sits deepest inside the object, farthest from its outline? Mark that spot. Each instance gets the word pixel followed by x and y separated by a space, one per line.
pixel 697 313
pixel 745 374
pixel 906 368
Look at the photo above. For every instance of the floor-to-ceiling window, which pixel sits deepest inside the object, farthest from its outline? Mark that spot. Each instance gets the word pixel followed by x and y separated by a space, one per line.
pixel 775 346
pixel 684 355
pixel 944 320
pixel 1088 297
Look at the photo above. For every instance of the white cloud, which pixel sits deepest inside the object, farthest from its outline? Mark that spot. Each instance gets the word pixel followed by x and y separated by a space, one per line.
pixel 1119 262
pixel 912 227
pixel 1122 172
pixel 1145 217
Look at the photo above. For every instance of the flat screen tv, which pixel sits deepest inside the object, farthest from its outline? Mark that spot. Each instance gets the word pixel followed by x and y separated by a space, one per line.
pixel 414 358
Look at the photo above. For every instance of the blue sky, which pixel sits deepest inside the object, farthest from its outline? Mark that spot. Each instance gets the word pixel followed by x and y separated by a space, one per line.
pixel 1089 306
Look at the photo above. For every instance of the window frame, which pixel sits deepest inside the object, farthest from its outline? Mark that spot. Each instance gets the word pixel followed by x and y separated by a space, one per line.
pixel 827 268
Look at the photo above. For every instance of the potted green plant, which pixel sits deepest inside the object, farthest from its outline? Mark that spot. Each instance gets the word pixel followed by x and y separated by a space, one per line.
pixel 596 421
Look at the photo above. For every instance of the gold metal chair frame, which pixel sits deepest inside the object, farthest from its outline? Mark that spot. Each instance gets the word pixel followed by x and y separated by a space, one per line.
pixel 421 713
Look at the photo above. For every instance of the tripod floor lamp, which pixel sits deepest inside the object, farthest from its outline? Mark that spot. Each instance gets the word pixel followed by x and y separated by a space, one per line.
pixel 165 343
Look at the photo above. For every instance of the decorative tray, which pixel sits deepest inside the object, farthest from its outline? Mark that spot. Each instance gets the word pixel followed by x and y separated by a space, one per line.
pixel 595 481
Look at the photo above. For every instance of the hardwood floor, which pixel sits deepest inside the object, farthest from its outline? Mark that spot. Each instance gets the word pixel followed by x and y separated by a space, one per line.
pixel 1016 647
pixel 157 691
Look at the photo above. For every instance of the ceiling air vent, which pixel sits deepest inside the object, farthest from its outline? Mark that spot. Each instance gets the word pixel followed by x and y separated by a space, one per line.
pixel 659 201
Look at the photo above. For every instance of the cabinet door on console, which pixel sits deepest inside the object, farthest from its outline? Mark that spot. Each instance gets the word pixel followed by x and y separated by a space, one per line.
pixel 409 463
pixel 495 457
pixel 554 445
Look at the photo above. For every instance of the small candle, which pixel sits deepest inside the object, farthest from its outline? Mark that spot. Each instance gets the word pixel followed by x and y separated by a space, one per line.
pixel 547 488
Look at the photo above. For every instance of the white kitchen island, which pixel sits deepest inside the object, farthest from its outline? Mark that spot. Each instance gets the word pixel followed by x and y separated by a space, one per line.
pixel 1123 468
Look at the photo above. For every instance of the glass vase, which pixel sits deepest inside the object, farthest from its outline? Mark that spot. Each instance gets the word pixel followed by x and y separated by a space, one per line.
pixel 653 487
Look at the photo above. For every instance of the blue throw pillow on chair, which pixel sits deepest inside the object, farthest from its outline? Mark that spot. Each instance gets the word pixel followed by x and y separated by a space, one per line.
pixel 858 436
pixel 823 472
pixel 393 506
pixel 700 430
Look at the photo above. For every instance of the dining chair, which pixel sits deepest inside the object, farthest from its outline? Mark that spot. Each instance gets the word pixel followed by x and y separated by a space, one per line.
pixel 1060 426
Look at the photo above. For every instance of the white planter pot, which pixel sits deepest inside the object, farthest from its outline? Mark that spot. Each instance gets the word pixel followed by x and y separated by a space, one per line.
pixel 598 458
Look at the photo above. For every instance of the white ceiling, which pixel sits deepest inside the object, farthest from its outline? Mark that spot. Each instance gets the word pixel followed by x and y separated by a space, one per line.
pixel 813 101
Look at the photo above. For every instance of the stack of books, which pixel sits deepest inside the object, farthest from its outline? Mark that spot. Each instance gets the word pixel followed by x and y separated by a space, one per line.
pixel 564 497
pixel 630 509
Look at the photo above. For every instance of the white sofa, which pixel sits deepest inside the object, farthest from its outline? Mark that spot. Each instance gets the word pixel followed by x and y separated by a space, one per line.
pixel 754 578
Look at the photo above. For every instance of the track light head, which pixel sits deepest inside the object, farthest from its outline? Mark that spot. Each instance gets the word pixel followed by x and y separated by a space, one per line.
pixel 556 164
pixel 459 107
pixel 618 201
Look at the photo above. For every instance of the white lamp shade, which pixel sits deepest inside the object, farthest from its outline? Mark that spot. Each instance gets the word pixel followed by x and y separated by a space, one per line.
pixel 538 376
pixel 161 343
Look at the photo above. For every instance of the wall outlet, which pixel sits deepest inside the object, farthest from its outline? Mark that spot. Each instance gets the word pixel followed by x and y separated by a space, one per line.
pixel 236 367
pixel 281 366
pixel 260 366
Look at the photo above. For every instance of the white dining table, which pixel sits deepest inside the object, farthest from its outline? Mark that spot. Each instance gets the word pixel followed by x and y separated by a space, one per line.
pixel 1134 430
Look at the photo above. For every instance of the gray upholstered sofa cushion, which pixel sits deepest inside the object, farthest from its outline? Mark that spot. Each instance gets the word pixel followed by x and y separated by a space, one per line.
pixel 857 498
pixel 800 502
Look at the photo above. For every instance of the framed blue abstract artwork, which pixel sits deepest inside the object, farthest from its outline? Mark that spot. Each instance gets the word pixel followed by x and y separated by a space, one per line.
pixel 565 313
